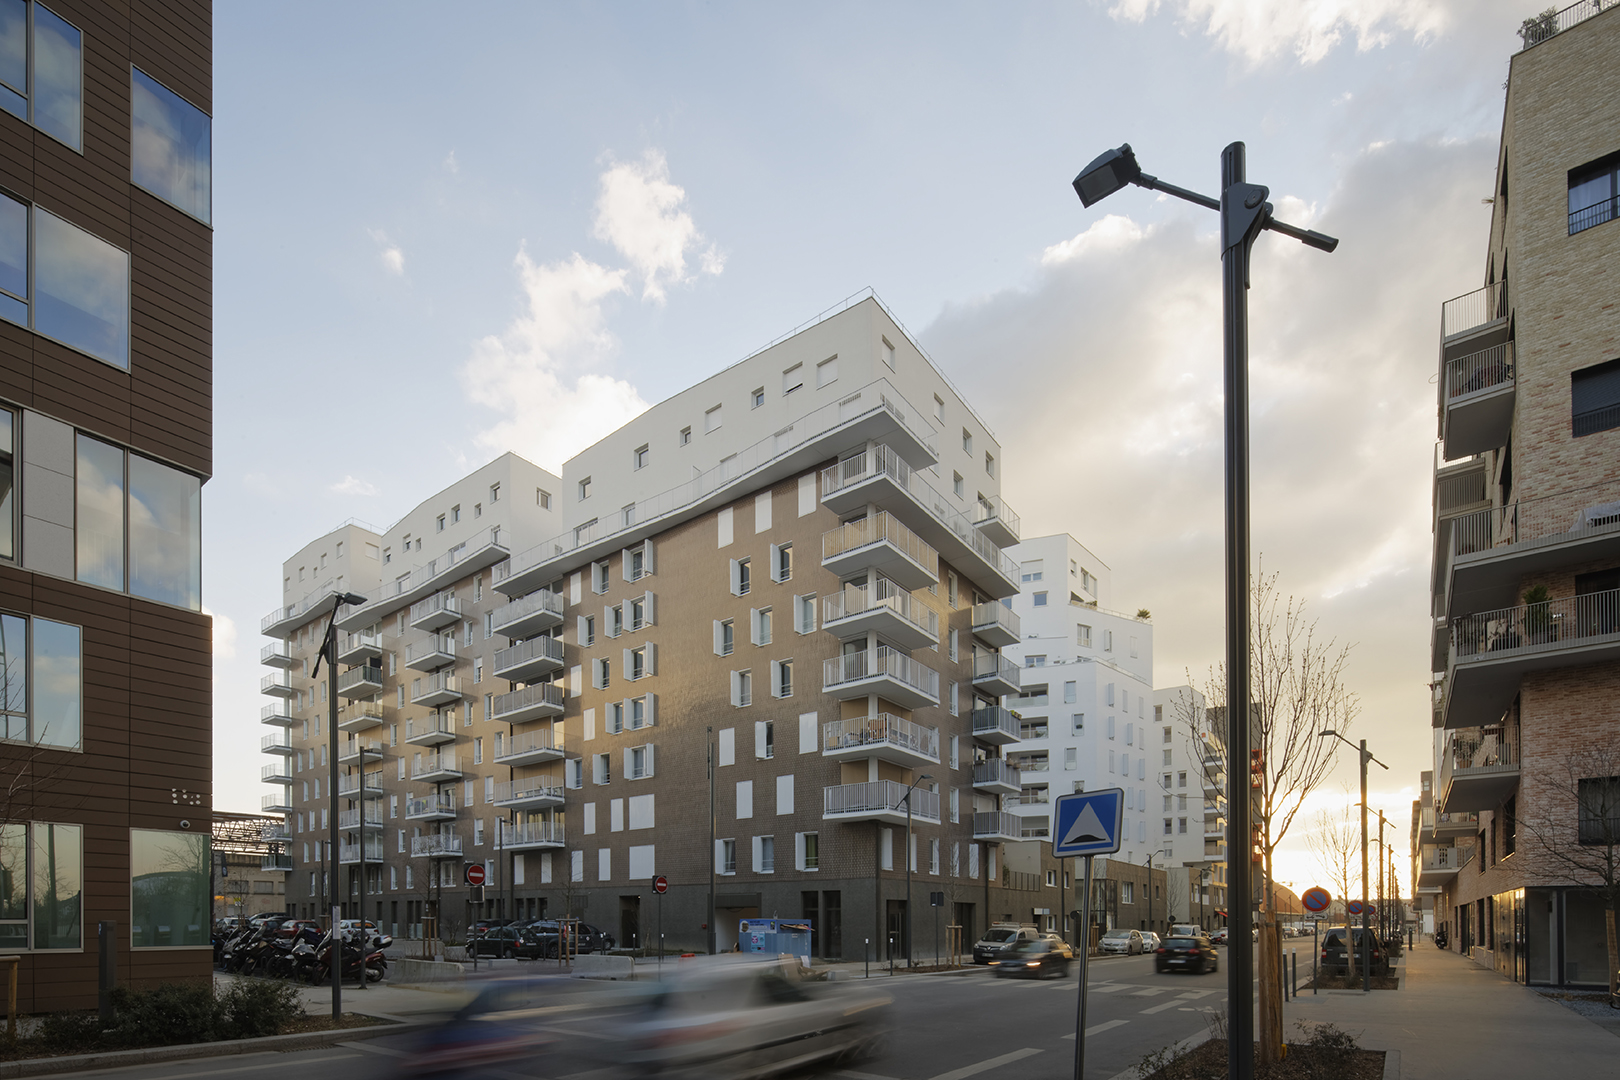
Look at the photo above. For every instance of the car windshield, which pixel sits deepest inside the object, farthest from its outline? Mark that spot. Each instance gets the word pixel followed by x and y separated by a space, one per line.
pixel 995 937
pixel 1181 943
pixel 1118 935
pixel 1026 948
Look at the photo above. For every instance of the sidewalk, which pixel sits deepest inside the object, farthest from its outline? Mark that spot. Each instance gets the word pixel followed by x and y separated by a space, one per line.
pixel 1453 1020
pixel 378 999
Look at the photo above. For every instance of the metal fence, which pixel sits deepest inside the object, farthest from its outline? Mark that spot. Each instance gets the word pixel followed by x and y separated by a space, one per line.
pixel 882 729
pixel 1568 515
pixel 1563 621
pixel 1549 24
pixel 1484 370
pixel 1474 309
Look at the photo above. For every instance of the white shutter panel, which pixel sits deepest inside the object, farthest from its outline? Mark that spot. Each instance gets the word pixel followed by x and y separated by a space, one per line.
pixel 753 625
pixel 762 511
pixel 607 621
pixel 624 715
pixel 798 851
pixel 579 629
pixel 776 562
pixel 624 563
pixel 719 646
pixel 647 557
pixel 649 759
pixel 573 587
pixel 652 658
pixel 807 733
pixel 626 772
pixel 757 855
pixel 627 669
pixel 649 609
pixel 652 709
pixel 736 578
pixel 736 688
pixel 759 738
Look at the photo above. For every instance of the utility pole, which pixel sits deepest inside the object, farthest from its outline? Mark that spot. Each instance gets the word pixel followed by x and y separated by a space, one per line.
pixel 713 854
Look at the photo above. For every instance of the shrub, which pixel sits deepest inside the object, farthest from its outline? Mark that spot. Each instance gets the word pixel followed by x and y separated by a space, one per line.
pixel 69 1032
pixel 256 1007
pixel 165 1015
pixel 1331 1051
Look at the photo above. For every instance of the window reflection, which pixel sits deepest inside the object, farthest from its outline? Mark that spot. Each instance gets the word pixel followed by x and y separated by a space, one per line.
pixel 58 885
pixel 14 675
pixel 169 888
pixel 165 534
pixel 8 520
pixel 58 78
pixel 13 887
pixel 81 289
pixel 13 259
pixel 170 146
pixel 100 528
pixel 58 681
pixel 14 57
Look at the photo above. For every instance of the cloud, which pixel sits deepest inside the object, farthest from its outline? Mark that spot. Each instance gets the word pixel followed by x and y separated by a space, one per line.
pixel 639 213
pixel 353 485
pixel 224 635
pixel 451 165
pixel 1258 30
pixel 393 259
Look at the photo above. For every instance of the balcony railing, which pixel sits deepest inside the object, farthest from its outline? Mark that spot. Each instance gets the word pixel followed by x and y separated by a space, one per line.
pixel 1596 214
pixel 275 744
pixel 280 773
pixel 441 805
pixel 359 677
pixel 881 795
pixel 278 683
pixel 877 528
pixel 1446 858
pixel 1038 797
pixel 528 833
pixel 1000 615
pixel 525 609
pixel 883 729
pixel 349 785
pixel 274 863
pixel 440 608
pixel 1483 370
pixel 350 853
pixel 1473 310
pixel 880 592
pixel 997 508
pixel 536 649
pixel 993 666
pixel 1478 748
pixel 435 845
pixel 536 696
pixel 435 687
pixel 1568 620
pixel 1000 771
pixel 353 819
pixel 992 824
pixel 996 720
pixel 528 742
pixel 1539 28
pixel 1570 515
pixel 485 543
pixel 525 790
pixel 316 601
pixel 890 663
pixel 433 764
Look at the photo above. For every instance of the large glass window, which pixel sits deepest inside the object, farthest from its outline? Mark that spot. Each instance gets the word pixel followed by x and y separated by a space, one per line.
pixel 13 258
pixel 99 530
pixel 55 50
pixel 1594 193
pixel 165 534
pixel 13 887
pixel 171 151
pixel 81 289
pixel 169 888
pixel 8 517
pixel 52 715
pixel 58 857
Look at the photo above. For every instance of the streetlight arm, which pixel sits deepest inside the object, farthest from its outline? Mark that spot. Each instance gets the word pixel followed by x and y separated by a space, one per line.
pixel 1309 237
pixel 1153 183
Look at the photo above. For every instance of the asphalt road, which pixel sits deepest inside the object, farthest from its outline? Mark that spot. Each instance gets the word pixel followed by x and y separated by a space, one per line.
pixel 946 1028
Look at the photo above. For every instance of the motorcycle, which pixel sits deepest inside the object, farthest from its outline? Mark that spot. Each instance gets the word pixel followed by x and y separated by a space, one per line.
pixel 1440 938
pixel 361 958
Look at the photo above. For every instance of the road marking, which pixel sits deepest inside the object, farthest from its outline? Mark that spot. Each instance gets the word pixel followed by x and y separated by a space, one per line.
pixel 1135 1072
pixel 241 1068
pixel 1152 991
pixel 853 1075
pixel 983 1066
pixel 1194 995
pixel 1173 1003
pixel 1098 1029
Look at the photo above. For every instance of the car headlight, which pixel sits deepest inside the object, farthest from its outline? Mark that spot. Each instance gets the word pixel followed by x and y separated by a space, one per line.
pixel 1032 963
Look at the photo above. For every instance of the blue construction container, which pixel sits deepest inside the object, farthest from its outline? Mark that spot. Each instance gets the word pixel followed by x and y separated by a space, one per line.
pixel 774 936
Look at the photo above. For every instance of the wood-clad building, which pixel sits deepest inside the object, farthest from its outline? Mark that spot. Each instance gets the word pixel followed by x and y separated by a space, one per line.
pixel 106 381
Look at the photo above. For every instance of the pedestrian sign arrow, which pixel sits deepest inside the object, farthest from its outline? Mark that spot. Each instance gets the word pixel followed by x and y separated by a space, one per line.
pixel 1087 823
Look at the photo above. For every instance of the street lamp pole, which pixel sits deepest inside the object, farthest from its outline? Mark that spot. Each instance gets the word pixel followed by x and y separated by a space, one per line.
pixel 906 923
pixel 1245 213
pixel 1366 929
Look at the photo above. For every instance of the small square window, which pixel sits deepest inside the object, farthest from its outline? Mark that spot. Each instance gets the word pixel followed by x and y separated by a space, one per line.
pixel 494 493
pixel 478 510
pixel 584 489
pixel 712 419
pixel 686 435
pixel 939 408
pixel 967 441
pixel 455 514
pixel 441 523
pixel 989 464
pixel 956 484
pixel 888 354
pixel 757 398
pixel 542 498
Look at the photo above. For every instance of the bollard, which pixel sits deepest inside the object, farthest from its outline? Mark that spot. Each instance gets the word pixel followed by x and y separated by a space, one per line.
pixel 107 947
pixel 868 958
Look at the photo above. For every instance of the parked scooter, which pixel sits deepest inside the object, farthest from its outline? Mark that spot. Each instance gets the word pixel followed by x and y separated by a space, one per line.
pixel 1440 937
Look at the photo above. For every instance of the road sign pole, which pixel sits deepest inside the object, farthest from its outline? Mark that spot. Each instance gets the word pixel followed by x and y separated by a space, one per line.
pixel 1085 971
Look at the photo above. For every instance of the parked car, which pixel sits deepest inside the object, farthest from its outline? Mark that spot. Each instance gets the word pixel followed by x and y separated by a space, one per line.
pixel 1047 955
pixel 1185 930
pixel 1150 941
pixel 999 937
pixel 1194 954
pixel 509 941
pixel 1334 960
pixel 592 939
pixel 1128 942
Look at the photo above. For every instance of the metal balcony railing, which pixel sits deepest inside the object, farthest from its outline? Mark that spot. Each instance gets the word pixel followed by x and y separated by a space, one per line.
pixel 881 526
pixel 350 853
pixel 996 719
pixel 274 744
pixel 1569 515
pixel 880 592
pixel 436 568
pixel 1550 23
pixel 542 600
pixel 1569 620
pixel 433 605
pixel 529 696
pixel 444 803
pixel 439 645
pixel 882 729
pixel 995 613
pixel 276 774
pixel 1595 214
pixel 890 663
pixel 529 832
pixel 996 507
pixel 548 648
pixel 275 863
pixel 353 819
pixel 992 823
pixel 441 683
pixel 435 844
pixel 1000 771
pixel 989 665
pixel 876 795
pixel 1447 858
pixel 1480 371
pixel 1478 748
pixel 275 682
pixel 512 790
pixel 1471 310
pixel 527 742
pixel 277 652
pixel 429 764
pixel 348 680
pixel 350 785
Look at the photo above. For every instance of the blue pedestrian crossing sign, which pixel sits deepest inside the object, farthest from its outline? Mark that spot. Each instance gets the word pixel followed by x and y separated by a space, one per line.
pixel 1088 823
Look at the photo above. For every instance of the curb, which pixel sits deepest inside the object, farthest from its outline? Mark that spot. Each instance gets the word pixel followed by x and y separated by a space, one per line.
pixel 1392 1065
pixel 113 1059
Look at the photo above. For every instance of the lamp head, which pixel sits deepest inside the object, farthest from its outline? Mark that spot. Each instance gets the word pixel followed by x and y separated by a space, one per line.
pixel 924 776
pixel 353 598
pixel 1328 734
pixel 1107 174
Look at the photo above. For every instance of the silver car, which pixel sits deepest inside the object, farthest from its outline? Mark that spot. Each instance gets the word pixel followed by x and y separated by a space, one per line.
pixel 738 1018
pixel 1128 942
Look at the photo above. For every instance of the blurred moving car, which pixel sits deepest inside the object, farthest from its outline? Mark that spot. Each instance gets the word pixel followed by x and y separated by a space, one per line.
pixel 1334 961
pixel 999 937
pixel 1185 930
pixel 1150 941
pixel 734 1017
pixel 1048 955
pixel 1218 937
pixel 502 1024
pixel 1194 954
pixel 1128 942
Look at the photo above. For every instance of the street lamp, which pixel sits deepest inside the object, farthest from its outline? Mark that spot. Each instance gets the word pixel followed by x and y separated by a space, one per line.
pixel 906 924
pixel 1366 945
pixel 328 653
pixel 1244 215
pixel 1166 854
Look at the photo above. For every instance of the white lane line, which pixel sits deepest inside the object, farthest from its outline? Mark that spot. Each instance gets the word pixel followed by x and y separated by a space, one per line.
pixel 1194 995
pixel 983 1066
pixel 1107 989
pixel 387 1051
pixel 245 1068
pixel 1171 1004
pixel 1098 1029
pixel 1152 991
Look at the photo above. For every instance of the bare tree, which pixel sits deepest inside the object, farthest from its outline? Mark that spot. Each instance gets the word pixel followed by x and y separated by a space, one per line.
pixel 1335 841
pixel 1574 833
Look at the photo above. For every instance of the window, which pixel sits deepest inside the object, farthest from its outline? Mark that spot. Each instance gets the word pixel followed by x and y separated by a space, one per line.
pixel 494 493
pixel 599 576
pixel 455 515
pixel 957 484
pixel 1070 759
pixel 990 464
pixel 1040 599
pixel 1034 660
pixel 742 689
pixel 1595 398
pixel 762 626
pixel 757 398
pixel 600 769
pixel 1599 807
pixel 1082 635
pixel 826 371
pixel 686 435
pixel 170 146
pixel 727 639
pixel 809 845
pixel 939 407
pixel 584 489
pixel 77 291
pixel 441 523
pixel 728 856
pixel 782 564
pixel 639 667
pixel 41 870
pixel 43 691
pixel 792 378
pixel 542 499
pixel 1166 730
pixel 1078 723
pixel 1594 193
pixel 741 573
pixel 600 672
pixel 967 441
pixel 164 511
pixel 1069 693
pixel 55 60
pixel 784 679
pixel 804 620
pixel 711 419
pixel 1108 641
pixel 641 457
pixel 587 630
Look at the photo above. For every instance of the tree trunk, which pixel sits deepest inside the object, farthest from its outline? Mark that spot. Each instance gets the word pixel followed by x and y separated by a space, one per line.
pixel 1269 973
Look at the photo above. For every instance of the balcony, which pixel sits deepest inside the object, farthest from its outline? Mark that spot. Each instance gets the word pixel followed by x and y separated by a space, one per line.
pixel 885 737
pixel 434 730
pixel 277 714
pixel 435 768
pixel 276 744
pixel 360 716
pixel 1479 769
pixel 530 748
pixel 278 833
pixel 431 808
pixel 351 786
pixel 358 649
pixel 1492 650
pixel 531 835
pixel 996 520
pixel 277 654
pixel 1436 828
pixel 1031 801
pixel 360 682
pixel 436 652
pixel 1439 866
pixel 278 773
pixel 1215 828
pixel 1493 549
pixel 997 625
pixel 1214 782
pixel 436 612
pixel 1478 405
pixel 369 819
pixel 875 412
pixel 278 684
pixel 1459 490
pixel 436 690
pixel 361 751
pixel 1475 321
pixel 537 701
pixel 893 676
pixel 883 544
pixel 878 800
pixel 997 777
pixel 351 853
pixel 885 607
pixel 995 675
pixel 532 794
pixel 437 846
pixel 529 615
pixel 279 803
pixel 284 620
pixel 996 726
pixel 276 863
pixel 479 551
pixel 997 826
pixel 529 660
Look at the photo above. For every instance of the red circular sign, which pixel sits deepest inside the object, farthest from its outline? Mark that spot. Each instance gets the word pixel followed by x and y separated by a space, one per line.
pixel 1315 899
pixel 1354 907
pixel 660 884
pixel 475 873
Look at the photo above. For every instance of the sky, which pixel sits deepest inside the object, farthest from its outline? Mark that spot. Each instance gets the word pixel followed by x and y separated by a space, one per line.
pixel 442 233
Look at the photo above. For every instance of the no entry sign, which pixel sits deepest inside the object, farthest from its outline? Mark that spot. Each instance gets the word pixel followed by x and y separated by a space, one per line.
pixel 660 884
pixel 474 873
